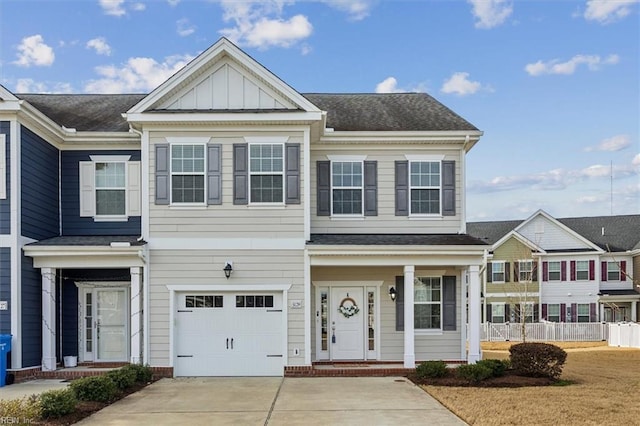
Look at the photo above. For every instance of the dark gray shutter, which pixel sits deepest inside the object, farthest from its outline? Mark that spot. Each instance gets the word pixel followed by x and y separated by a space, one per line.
pixel 516 271
pixel 402 188
pixel 488 314
pixel 448 188
pixel 507 272
pixel 323 169
pixel 371 188
pixel 536 312
pixel 214 174
pixel 240 173
pixel 507 312
pixel 162 174
pixel 400 303
pixel 449 303
pixel 489 272
pixel 292 171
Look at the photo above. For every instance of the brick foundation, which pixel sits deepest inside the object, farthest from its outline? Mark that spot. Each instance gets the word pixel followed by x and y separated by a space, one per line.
pixel 83 370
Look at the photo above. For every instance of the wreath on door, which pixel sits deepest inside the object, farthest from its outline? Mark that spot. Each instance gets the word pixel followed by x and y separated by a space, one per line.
pixel 348 307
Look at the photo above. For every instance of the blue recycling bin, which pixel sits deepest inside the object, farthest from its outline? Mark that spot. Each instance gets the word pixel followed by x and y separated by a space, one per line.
pixel 5 348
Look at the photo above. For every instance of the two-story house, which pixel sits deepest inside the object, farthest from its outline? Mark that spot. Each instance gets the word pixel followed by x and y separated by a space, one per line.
pixel 561 270
pixel 225 224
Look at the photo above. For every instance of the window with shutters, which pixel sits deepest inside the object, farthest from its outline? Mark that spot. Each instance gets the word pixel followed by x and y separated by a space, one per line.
pixel 424 187
pixel 346 187
pixel 555 271
pixel 497 313
pixel 427 293
pixel 111 188
pixel 497 272
pixel 583 312
pixel 613 271
pixel 266 173
pixel 187 173
pixel 525 270
pixel 582 270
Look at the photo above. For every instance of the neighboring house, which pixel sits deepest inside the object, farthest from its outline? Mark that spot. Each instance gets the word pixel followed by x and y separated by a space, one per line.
pixel 225 224
pixel 562 270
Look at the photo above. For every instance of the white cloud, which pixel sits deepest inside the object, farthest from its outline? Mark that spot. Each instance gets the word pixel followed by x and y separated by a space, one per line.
pixel 608 11
pixel 136 75
pixel 32 50
pixel 612 144
pixel 459 84
pixel 356 9
pixel 636 160
pixel 28 85
pixel 173 3
pixel 491 13
pixel 554 66
pixel 100 45
pixel 113 7
pixel 185 28
pixel 138 7
pixel 260 24
pixel 390 85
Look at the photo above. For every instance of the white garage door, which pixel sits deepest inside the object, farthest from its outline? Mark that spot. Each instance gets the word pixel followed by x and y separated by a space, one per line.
pixel 229 334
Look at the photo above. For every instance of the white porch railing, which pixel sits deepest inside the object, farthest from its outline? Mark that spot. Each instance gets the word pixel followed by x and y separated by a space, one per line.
pixel 545 332
pixel 624 334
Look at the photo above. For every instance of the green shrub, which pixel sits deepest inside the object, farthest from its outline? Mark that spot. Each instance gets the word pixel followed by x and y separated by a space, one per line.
pixel 96 388
pixel 27 408
pixel 431 369
pixel 497 366
pixel 144 373
pixel 537 359
pixel 124 378
pixel 57 403
pixel 474 372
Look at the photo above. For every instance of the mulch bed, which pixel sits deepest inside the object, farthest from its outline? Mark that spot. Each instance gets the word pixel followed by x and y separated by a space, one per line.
pixel 509 380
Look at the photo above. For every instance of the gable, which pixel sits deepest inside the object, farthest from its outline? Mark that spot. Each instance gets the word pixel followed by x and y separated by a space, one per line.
pixel 227 85
pixel 512 249
pixel 551 235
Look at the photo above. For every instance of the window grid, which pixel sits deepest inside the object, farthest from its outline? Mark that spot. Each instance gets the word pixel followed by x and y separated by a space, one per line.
pixel 254 301
pixel 583 312
pixel 497 272
pixel 613 271
pixel 497 312
pixel 554 271
pixel 427 303
pixel 525 269
pixel 582 270
pixel 553 312
pixel 347 187
pixel 266 169
pixel 424 182
pixel 187 173
pixel 110 186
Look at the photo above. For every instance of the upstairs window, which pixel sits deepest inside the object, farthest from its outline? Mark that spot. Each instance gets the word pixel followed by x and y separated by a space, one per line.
pixel 187 173
pixel 613 271
pixel 525 270
pixel 554 271
pixel 582 270
pixel 497 272
pixel 266 169
pixel 111 187
pixel 347 184
pixel 424 181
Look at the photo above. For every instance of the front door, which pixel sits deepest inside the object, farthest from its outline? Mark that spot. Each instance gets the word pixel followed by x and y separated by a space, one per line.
pixel 347 326
pixel 105 324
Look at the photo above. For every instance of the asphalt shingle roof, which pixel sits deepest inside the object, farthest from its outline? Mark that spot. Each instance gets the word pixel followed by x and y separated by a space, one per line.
pixel 393 239
pixel 349 112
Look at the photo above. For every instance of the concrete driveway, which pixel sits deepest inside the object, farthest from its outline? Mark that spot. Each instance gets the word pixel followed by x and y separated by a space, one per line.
pixel 277 401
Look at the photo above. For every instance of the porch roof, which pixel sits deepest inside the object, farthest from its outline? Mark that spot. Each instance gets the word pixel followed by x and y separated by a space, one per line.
pixel 99 240
pixel 395 240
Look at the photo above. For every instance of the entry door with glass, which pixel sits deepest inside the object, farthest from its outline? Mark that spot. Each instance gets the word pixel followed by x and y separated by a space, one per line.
pixel 105 324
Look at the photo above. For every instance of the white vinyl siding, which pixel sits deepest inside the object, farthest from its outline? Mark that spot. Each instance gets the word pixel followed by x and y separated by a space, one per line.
pixel 266 173
pixel 425 187
pixel 109 190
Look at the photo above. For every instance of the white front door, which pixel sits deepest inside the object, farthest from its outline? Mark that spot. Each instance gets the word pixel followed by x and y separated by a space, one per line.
pixel 348 310
pixel 105 324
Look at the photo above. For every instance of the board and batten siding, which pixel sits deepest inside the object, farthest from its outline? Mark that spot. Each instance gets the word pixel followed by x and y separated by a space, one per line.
pixel 72 223
pixel 204 267
pixel 5 203
pixel 5 289
pixel 224 220
pixel 445 346
pixel 39 187
pixel 386 220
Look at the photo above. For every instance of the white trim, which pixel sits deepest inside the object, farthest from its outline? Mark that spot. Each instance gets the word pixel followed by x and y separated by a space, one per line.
pixel 307 309
pixel 306 181
pixel 424 158
pixel 229 287
pixel 3 166
pixel 205 167
pixel 227 243
pixel 16 231
pixel 287 116
pixel 267 139
pixel 110 158
pixel 357 283
pixel 188 140
pixel 144 166
pixel 347 158
pixel 48 285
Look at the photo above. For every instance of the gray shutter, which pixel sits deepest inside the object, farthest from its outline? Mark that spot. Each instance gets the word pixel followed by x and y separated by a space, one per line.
pixel 292 172
pixel 240 173
pixel 400 303
pixel 371 188
pixel 162 174
pixel 516 271
pixel 214 174
pixel 323 169
pixel 488 314
pixel 449 303
pixel 489 272
pixel 448 188
pixel 402 188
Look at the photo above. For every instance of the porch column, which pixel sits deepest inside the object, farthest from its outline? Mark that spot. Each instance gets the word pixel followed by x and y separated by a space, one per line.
pixel 48 319
pixel 474 355
pixel 601 311
pixel 136 318
pixel 634 311
pixel 409 338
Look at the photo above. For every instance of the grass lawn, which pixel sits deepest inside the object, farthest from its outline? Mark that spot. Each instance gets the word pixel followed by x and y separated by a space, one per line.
pixel 604 389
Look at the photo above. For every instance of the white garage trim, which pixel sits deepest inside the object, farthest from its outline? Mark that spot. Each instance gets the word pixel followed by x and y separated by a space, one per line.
pixel 173 289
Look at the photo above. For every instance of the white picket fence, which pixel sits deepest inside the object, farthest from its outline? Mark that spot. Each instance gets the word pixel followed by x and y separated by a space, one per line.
pixel 624 334
pixel 546 332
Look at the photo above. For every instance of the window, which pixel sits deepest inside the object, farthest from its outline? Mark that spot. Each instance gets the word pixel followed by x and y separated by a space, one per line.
pixel 110 184
pixel 497 312
pixel 346 192
pixel 497 272
pixel 582 270
pixel 525 270
pixel 613 271
pixel 266 169
pixel 427 303
pixel 554 271
pixel 371 320
pixel 583 312
pixel 187 173
pixel 193 301
pixel 525 312
pixel 553 312
pixel 424 182
pixel 254 301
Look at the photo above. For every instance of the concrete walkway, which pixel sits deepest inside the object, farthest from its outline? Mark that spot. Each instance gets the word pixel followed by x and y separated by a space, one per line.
pixel 277 401
pixel 31 387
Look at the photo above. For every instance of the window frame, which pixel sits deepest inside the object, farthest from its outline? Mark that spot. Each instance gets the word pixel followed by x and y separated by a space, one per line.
pixel 503 272
pixel 281 173
pixel 431 303
pixel 559 271
pixel 124 188
pixel 411 187
pixel 360 161
pixel 558 316
pixel 203 173
pixel 583 315
pixel 585 271
pixel 617 271
pixel 493 312
pixel 527 278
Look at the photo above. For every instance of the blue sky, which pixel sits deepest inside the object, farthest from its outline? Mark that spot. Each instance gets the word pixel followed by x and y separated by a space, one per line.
pixel 555 85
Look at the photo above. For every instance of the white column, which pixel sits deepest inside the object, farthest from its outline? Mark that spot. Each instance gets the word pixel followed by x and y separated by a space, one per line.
pixel 136 318
pixel 474 355
pixel 48 319
pixel 409 338
pixel 601 311
pixel 634 311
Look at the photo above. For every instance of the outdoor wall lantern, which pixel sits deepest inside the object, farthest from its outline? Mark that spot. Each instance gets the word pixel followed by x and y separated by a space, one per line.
pixel 393 293
pixel 228 269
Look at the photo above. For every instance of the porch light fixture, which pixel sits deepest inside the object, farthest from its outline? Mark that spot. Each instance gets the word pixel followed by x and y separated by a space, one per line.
pixel 393 293
pixel 228 269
